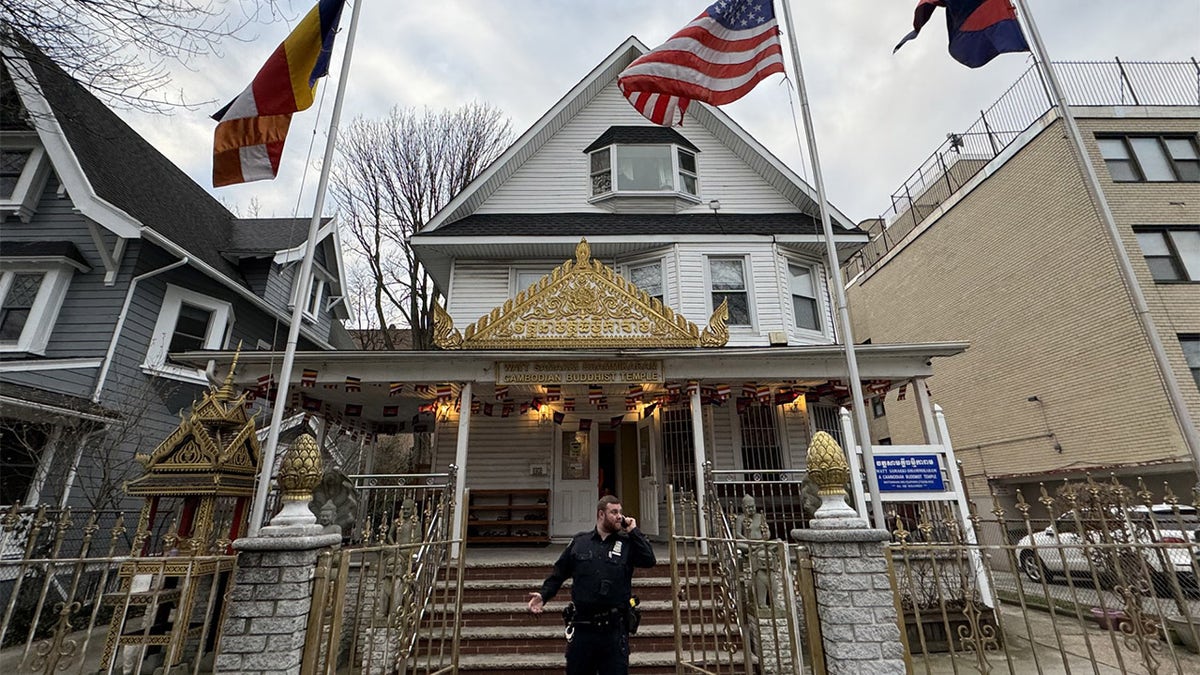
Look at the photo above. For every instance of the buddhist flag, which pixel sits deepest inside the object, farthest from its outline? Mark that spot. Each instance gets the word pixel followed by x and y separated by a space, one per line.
pixel 717 59
pixel 979 30
pixel 248 142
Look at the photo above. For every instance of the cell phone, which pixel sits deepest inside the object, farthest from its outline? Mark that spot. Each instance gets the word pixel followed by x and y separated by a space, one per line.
pixel 624 523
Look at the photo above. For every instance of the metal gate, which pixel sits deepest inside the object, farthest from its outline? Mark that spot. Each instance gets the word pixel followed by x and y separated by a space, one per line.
pixel 735 600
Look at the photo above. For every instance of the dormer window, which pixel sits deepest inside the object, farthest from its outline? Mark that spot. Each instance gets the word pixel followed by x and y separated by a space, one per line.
pixel 24 168
pixel 643 162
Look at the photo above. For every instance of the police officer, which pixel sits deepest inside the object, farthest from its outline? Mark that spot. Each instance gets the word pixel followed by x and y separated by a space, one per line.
pixel 600 563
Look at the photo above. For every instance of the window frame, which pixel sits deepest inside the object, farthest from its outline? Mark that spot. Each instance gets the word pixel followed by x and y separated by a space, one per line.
pixel 1189 338
pixel 216 336
pixel 677 173
pixel 1136 164
pixel 28 189
pixel 627 272
pixel 748 289
pixel 815 273
pixel 43 314
pixel 516 271
pixel 878 409
pixel 1183 274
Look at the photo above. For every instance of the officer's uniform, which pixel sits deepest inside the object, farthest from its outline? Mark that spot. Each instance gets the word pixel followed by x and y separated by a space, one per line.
pixel 602 574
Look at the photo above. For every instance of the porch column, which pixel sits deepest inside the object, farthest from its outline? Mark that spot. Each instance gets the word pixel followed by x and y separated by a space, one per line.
pixel 49 451
pixel 460 461
pixel 925 411
pixel 701 456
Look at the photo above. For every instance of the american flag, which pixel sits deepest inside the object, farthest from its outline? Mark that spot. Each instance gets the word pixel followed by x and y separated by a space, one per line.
pixel 717 58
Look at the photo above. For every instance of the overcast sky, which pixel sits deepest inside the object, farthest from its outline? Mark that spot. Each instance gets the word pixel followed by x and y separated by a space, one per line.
pixel 877 115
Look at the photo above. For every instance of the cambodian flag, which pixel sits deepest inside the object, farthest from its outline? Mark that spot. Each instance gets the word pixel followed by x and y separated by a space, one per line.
pixel 979 29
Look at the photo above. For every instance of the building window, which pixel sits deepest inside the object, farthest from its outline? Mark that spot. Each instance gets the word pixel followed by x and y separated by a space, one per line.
pixel 805 307
pixel 760 438
pixel 316 293
pixel 187 321
pixel 1191 353
pixel 12 165
pixel 524 278
pixel 29 302
pixel 1151 158
pixel 21 444
pixel 644 169
pixel 648 277
pixel 1172 253
pixel 877 408
pixel 727 279
pixel 24 168
pixel 678 450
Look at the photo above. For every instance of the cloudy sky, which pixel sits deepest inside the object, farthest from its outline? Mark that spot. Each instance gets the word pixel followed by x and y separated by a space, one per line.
pixel 877 115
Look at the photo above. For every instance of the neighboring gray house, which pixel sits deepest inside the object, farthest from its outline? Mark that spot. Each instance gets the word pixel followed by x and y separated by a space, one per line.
pixel 111 259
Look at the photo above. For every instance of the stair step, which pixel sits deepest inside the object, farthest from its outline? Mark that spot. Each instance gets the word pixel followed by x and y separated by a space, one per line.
pixel 640 663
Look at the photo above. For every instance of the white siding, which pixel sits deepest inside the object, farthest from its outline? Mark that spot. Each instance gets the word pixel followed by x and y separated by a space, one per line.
pixel 478 286
pixel 762 281
pixel 555 179
pixel 499 450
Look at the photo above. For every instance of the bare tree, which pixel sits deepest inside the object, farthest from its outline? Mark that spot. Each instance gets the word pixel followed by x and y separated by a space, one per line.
pixel 120 49
pixel 392 175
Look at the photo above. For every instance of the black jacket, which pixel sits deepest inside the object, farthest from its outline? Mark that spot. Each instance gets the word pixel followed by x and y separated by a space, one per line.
pixel 601 569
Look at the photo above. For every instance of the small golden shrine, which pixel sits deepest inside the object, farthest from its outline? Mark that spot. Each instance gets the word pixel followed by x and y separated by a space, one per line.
pixel 581 303
pixel 203 473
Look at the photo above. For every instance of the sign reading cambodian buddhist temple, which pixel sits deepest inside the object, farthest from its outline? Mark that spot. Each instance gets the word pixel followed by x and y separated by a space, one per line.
pixel 616 371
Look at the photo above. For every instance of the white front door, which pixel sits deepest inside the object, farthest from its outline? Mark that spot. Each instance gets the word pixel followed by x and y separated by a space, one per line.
pixel 648 495
pixel 576 469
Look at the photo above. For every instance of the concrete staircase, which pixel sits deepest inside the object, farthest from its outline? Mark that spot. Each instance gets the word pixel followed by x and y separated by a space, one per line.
pixel 499 635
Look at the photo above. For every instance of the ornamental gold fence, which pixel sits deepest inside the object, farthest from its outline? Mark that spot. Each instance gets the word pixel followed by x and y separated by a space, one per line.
pixel 1085 577
pixel 393 602
pixel 84 593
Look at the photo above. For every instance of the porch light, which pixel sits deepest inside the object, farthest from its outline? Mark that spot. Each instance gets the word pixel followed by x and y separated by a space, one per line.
pixel 798 406
pixel 443 412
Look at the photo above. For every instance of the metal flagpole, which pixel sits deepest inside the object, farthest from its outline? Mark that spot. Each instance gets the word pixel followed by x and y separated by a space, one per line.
pixel 1191 436
pixel 835 273
pixel 289 355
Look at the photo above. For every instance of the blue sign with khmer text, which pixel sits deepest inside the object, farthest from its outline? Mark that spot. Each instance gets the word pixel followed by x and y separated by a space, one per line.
pixel 909 473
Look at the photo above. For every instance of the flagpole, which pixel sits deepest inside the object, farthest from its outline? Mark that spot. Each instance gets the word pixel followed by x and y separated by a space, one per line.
pixel 835 272
pixel 1191 437
pixel 263 488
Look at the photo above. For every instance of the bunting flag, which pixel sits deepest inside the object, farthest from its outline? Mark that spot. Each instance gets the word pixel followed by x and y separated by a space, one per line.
pixel 763 394
pixel 427 408
pixel 749 389
pixel 979 30
pixel 329 386
pixel 879 387
pixel 422 388
pixel 615 422
pixel 585 425
pixel 265 382
pixel 553 392
pixel 595 393
pixel 252 128
pixel 569 404
pixel 444 392
pixel 487 409
pixel 602 404
pixel 308 378
pixel 903 393
pixel 635 390
pixel 673 389
pixel 310 404
pixel 476 406
pixel 786 396
pixel 353 410
pixel 391 410
pixel 506 409
pixel 395 388
pixel 524 408
pixel 649 410
pixel 501 392
pixel 723 391
pixel 693 387
pixel 353 384
pixel 559 417
pixel 631 403
pixel 717 59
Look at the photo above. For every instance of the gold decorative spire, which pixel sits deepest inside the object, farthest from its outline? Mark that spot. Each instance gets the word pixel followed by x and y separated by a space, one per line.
pixel 300 470
pixel 226 393
pixel 827 465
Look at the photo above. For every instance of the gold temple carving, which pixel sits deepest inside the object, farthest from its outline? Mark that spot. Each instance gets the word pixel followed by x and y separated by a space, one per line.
pixel 582 303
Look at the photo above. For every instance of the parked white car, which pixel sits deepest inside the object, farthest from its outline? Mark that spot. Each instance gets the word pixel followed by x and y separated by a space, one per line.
pixel 1156 532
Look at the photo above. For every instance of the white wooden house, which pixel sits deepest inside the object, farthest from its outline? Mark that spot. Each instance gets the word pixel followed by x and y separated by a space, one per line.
pixel 623 303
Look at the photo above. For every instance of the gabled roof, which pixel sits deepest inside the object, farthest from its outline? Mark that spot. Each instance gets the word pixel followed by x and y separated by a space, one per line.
pixel 756 156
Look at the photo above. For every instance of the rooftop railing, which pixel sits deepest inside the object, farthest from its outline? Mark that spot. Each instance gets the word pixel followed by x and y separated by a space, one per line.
pixel 962 155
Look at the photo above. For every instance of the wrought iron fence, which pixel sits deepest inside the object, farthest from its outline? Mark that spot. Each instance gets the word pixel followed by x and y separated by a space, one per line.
pixel 964 154
pixel 81 593
pixel 734 599
pixel 1090 577
pixel 780 496
pixel 393 602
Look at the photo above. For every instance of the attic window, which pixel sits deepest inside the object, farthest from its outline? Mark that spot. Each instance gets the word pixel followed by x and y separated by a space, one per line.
pixel 23 172
pixel 632 161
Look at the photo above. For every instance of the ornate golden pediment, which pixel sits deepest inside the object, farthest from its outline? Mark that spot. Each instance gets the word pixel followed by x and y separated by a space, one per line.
pixel 582 303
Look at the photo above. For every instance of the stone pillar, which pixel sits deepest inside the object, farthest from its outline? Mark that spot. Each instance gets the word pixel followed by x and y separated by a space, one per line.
pixel 856 609
pixel 264 628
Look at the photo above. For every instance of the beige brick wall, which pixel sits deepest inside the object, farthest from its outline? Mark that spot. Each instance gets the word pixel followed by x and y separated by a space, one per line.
pixel 1022 268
